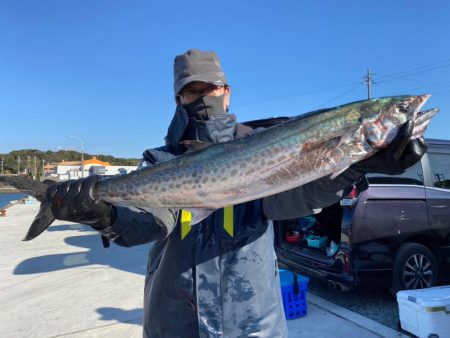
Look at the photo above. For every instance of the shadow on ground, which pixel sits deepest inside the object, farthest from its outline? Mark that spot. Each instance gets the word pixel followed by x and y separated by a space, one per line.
pixel 134 316
pixel 126 259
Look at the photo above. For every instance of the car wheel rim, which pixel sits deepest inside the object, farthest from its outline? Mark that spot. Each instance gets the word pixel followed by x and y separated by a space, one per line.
pixel 418 272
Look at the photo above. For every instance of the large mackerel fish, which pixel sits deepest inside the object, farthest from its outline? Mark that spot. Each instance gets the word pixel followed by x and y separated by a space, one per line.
pixel 301 150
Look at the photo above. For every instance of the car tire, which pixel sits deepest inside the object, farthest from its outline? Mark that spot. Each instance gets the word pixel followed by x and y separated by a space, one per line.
pixel 415 267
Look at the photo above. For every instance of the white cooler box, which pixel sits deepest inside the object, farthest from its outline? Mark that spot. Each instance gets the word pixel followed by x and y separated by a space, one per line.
pixel 425 312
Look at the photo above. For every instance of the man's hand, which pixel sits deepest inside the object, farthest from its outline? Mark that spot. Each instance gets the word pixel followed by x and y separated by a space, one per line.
pixel 401 154
pixel 75 201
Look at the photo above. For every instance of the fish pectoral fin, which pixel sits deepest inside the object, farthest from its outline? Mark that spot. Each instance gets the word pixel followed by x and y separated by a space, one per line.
pixel 347 136
pixel 199 215
pixel 337 173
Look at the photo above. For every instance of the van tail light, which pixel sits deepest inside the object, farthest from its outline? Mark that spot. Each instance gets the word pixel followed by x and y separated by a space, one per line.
pixel 354 193
pixel 351 198
pixel 347 263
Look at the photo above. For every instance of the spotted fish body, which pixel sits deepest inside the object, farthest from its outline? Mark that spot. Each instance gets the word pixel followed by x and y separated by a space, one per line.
pixel 277 159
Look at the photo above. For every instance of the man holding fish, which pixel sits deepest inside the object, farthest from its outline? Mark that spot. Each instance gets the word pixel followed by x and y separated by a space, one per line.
pixel 213 272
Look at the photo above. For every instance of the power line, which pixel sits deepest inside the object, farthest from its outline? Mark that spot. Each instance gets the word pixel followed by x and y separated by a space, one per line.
pixel 418 85
pixel 416 70
pixel 340 95
pixel 369 81
pixel 310 91
pixel 425 83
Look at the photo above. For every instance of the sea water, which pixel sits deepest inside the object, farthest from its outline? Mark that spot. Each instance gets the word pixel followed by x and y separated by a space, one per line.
pixel 5 199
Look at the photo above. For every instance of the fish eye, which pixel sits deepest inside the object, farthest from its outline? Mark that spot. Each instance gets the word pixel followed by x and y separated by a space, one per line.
pixel 402 107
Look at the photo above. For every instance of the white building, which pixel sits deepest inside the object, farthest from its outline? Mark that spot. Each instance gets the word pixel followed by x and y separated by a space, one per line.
pixel 72 169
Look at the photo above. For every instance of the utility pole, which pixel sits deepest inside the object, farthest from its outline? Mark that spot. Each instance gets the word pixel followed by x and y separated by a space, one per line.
pixel 368 82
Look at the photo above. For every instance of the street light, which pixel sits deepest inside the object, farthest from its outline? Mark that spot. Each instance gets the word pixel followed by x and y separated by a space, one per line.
pixel 82 153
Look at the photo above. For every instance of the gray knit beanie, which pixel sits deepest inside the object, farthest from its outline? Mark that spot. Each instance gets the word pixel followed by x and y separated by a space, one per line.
pixel 197 65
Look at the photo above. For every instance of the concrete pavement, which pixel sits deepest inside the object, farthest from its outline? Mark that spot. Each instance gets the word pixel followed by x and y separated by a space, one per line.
pixel 65 284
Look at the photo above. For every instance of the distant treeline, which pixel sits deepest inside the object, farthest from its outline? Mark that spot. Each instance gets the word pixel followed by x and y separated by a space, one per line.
pixel 29 159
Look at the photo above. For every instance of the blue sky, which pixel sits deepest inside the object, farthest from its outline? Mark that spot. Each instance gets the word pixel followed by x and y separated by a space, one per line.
pixel 102 70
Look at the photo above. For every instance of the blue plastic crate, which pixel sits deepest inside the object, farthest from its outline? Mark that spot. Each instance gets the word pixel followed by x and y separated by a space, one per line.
pixel 317 241
pixel 294 301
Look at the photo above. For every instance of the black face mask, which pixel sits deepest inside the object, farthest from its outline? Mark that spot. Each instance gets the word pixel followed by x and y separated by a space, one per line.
pixel 217 129
pixel 205 107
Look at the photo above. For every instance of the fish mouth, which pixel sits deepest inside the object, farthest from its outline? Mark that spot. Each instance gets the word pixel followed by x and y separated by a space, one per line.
pixel 416 104
pixel 410 106
pixel 421 122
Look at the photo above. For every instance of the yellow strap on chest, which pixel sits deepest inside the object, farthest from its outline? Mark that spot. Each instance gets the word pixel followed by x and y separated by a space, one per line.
pixel 228 221
pixel 186 218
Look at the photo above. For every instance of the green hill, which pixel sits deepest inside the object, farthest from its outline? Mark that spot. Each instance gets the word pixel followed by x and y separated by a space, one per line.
pixel 28 157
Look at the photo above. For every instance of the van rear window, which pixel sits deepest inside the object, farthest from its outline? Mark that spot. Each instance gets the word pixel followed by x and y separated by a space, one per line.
pixel 413 176
pixel 440 169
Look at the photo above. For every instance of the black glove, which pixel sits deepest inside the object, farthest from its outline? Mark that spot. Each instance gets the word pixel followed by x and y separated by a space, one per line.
pixel 401 154
pixel 75 201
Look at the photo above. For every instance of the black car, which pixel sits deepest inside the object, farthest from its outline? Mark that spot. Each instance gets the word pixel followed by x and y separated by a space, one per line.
pixel 395 234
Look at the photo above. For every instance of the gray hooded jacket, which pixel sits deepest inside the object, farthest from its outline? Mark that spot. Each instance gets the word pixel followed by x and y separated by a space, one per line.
pixel 218 278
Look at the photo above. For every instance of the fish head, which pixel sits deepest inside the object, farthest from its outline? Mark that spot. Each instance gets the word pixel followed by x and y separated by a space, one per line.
pixel 382 117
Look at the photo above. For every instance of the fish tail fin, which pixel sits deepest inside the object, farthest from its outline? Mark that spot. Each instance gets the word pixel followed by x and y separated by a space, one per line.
pixel 38 190
pixel 41 222
pixel 34 188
